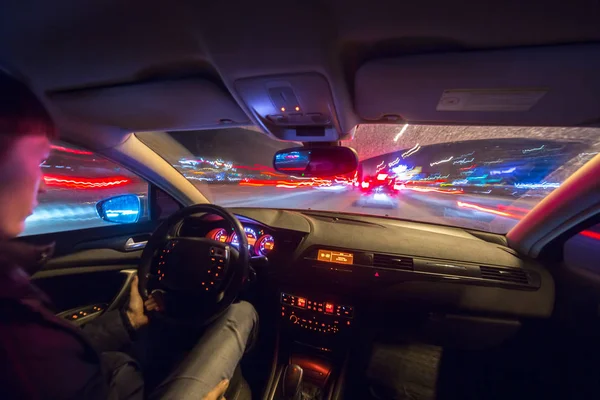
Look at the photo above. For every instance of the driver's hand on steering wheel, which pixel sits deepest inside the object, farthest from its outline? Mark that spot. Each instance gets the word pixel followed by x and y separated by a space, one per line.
pixel 135 309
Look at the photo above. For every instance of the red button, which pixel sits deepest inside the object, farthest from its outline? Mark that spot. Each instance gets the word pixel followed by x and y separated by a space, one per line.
pixel 301 302
pixel 329 308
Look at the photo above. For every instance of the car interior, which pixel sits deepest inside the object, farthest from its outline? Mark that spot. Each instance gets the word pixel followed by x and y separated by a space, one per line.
pixel 351 306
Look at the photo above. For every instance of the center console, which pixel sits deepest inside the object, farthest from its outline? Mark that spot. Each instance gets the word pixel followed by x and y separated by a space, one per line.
pixel 313 345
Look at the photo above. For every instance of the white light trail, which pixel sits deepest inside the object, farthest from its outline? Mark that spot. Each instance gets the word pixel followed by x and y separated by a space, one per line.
pixel 463 161
pixel 534 149
pixel 412 151
pixel 441 161
pixel 587 154
pixel 404 128
pixel 505 171
pixel 542 185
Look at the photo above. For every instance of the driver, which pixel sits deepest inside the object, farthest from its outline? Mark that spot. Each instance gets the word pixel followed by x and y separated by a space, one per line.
pixel 42 356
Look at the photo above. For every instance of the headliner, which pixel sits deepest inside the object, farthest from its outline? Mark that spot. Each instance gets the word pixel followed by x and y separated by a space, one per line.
pixel 73 45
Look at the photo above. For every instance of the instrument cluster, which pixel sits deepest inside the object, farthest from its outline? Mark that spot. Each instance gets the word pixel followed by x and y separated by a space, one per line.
pixel 259 242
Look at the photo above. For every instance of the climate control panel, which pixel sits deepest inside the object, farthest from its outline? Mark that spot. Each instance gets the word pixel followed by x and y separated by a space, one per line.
pixel 318 306
pixel 315 315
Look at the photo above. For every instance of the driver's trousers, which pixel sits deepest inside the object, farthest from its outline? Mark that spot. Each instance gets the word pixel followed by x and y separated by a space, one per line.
pixel 190 374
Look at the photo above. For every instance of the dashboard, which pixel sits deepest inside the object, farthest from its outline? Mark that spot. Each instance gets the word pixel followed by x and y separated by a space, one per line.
pixel 383 267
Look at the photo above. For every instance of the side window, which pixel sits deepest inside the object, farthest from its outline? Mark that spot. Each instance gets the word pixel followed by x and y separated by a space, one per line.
pixel 76 180
pixel 583 250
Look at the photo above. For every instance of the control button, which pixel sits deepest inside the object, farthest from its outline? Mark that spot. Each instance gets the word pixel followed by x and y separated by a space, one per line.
pixel 301 302
pixel 320 309
pixel 329 308
pixel 294 319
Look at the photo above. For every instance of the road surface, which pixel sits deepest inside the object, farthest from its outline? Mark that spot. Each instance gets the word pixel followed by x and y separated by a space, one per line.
pixel 483 212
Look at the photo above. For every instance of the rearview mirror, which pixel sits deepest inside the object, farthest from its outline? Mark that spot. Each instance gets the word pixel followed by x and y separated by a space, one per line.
pixel 123 209
pixel 316 161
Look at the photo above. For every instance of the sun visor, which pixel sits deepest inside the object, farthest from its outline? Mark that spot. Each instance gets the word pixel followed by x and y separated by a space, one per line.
pixel 544 86
pixel 181 104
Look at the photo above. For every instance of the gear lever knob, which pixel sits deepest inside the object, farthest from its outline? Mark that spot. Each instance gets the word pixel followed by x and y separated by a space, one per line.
pixel 292 378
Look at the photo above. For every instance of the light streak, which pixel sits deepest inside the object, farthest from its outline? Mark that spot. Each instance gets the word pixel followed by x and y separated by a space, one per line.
pixel 85 183
pixel 441 161
pixel 472 178
pixel 412 151
pixel 533 149
pixel 498 161
pixel 485 209
pixel 460 182
pixel 419 189
pixel 542 185
pixel 72 151
pixel 396 161
pixel 251 184
pixel 463 161
pixel 336 188
pixel 505 171
pixel 404 128
pixel 400 169
pixel 435 177
pixel 513 208
pixel 591 234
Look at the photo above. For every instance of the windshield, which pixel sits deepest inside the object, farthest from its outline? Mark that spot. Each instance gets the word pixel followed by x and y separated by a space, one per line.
pixel 484 178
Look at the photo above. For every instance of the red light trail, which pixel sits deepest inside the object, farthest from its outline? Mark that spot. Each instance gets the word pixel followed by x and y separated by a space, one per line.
pixel 85 183
pixel 591 234
pixel 486 210
pixel 513 208
pixel 72 151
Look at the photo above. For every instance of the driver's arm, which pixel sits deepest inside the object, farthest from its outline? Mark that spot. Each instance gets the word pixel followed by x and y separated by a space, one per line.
pixel 116 329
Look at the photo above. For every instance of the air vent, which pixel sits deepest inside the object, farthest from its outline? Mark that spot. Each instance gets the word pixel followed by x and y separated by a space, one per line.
pixel 517 276
pixel 393 262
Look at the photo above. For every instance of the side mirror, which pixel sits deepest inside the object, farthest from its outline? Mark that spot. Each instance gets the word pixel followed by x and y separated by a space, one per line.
pixel 123 209
pixel 319 162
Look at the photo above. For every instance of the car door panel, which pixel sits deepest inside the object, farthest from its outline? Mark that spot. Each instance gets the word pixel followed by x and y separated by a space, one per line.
pixel 103 288
pixel 91 270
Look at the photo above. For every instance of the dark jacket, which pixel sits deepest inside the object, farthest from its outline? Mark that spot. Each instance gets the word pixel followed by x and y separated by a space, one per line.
pixel 42 356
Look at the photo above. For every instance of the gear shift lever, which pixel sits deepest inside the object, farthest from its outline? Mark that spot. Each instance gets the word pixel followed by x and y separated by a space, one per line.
pixel 292 378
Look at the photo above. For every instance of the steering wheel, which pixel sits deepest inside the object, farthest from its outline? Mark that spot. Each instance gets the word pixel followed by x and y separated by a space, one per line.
pixel 198 277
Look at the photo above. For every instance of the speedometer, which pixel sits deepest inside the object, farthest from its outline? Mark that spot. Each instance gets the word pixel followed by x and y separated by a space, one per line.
pixel 250 235
pixel 264 245
pixel 219 234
